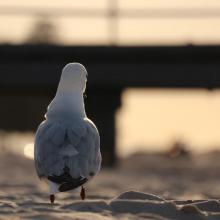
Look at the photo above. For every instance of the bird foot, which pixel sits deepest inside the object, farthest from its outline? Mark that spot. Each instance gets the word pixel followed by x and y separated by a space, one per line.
pixel 52 198
pixel 83 193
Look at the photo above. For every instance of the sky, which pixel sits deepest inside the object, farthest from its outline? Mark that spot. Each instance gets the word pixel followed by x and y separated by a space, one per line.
pixel 152 120
pixel 126 30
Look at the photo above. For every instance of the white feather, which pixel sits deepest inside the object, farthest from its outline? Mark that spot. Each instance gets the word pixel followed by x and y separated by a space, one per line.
pixel 53 187
pixel 67 137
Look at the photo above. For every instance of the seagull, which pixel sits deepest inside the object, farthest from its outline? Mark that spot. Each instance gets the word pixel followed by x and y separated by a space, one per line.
pixel 67 143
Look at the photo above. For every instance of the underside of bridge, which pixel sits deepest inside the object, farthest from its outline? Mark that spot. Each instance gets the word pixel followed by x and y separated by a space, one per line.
pixel 29 76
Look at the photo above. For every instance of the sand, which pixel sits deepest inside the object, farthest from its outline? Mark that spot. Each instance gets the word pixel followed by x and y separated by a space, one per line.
pixel 143 186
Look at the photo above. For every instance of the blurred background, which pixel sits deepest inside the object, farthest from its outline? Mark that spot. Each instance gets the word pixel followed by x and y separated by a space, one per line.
pixel 153 91
pixel 153 71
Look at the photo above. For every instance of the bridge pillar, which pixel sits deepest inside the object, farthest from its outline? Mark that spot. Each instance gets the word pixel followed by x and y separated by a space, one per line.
pixel 101 106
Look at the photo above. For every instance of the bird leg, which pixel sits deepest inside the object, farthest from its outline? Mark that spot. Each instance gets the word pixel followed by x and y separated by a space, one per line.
pixel 83 193
pixel 52 198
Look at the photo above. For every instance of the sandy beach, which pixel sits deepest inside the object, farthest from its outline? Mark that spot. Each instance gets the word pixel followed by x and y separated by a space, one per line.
pixel 143 186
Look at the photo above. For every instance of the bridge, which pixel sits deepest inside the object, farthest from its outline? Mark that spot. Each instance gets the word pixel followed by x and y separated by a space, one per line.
pixel 30 75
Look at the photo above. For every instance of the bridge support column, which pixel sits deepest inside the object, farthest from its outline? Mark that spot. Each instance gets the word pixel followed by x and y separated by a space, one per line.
pixel 101 106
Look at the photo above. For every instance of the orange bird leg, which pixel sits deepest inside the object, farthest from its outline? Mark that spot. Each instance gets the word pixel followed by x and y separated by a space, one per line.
pixel 83 193
pixel 52 198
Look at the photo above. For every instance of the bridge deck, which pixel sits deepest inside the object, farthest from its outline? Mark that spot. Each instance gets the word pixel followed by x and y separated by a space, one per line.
pixel 177 66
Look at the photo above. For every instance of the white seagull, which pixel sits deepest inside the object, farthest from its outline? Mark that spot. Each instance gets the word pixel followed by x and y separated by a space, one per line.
pixel 67 143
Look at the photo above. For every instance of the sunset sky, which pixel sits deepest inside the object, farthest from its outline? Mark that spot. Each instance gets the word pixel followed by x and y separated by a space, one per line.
pixel 153 119
pixel 130 30
pixel 147 117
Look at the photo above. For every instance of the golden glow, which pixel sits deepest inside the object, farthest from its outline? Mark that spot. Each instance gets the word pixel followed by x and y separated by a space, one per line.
pixel 137 31
pixel 131 4
pixel 29 150
pixel 48 4
pixel 152 119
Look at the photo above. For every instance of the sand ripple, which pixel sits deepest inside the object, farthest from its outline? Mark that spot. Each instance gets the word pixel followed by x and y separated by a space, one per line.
pixel 128 205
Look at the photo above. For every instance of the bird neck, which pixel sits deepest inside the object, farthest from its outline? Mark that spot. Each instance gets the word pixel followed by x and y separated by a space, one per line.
pixel 67 105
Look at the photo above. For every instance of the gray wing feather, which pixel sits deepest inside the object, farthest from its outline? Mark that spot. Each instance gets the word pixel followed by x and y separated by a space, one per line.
pixel 76 146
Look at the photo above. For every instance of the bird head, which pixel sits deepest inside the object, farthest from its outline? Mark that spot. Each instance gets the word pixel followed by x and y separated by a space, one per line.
pixel 73 78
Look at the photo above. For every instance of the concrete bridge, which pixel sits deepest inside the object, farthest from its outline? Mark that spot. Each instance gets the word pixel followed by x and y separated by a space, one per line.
pixel 29 76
